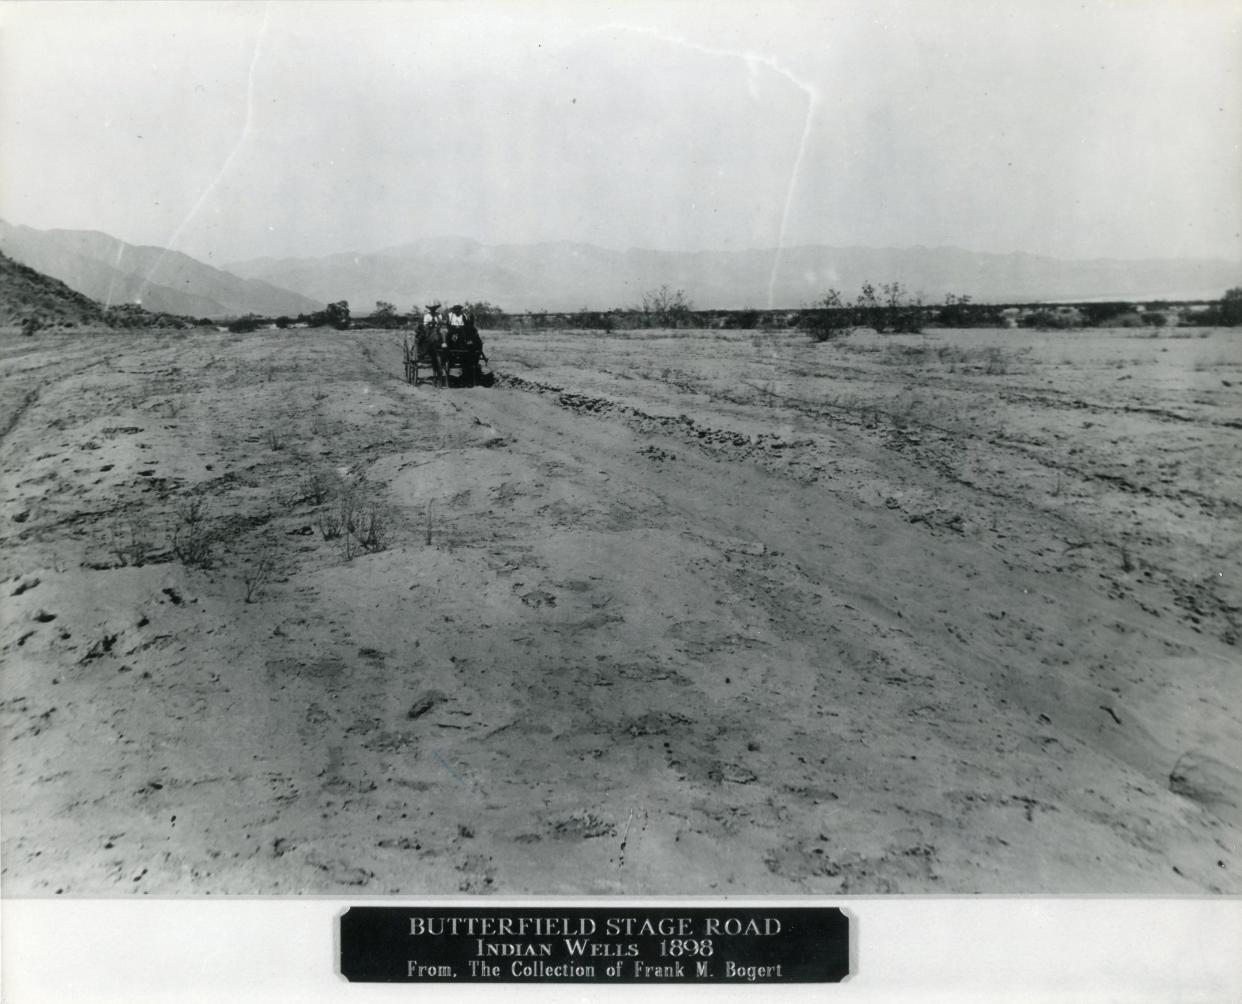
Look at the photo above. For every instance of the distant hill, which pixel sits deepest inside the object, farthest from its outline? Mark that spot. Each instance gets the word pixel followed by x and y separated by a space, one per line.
pixel 113 272
pixel 568 276
pixel 26 293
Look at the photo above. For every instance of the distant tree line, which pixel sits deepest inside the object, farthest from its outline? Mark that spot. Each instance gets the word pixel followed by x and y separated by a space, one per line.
pixel 888 308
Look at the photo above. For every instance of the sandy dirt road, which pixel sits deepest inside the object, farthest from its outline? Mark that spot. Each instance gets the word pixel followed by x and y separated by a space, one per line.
pixel 719 612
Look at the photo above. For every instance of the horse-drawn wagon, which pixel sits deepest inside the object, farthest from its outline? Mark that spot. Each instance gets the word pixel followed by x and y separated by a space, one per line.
pixel 448 349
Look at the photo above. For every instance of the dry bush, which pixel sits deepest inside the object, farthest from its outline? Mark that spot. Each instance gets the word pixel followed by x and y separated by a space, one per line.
pixel 370 533
pixel 330 526
pixel 339 519
pixel 261 567
pixel 354 519
pixel 193 538
pixel 366 534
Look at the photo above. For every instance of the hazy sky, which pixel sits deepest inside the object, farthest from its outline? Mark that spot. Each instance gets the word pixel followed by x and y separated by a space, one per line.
pixel 230 131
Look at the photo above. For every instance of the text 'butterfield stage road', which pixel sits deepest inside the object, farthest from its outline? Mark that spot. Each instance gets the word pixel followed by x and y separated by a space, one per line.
pixel 661 613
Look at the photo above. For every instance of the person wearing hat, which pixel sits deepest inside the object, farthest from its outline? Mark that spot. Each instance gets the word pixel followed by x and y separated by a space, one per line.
pixel 455 339
pixel 429 338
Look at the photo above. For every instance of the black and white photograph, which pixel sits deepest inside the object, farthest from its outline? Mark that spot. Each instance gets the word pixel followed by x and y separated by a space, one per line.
pixel 621 450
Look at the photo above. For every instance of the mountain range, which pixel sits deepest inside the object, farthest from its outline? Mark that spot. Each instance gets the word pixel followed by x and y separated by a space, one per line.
pixel 112 272
pixel 570 276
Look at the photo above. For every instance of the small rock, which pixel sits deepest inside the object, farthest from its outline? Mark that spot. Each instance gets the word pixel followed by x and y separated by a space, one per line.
pixel 425 702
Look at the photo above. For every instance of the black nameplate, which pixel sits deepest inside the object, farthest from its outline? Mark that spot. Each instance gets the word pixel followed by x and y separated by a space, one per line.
pixel 391 944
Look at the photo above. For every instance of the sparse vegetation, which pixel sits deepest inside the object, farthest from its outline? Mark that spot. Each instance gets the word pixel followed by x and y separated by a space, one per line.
pixel 329 525
pixel 891 308
pixel 1227 312
pixel 829 319
pixel 1051 319
pixel 335 315
pixel 193 537
pixel 369 532
pixel 484 312
pixel 260 568
pixel 665 307
pixel 872 425
pixel 245 325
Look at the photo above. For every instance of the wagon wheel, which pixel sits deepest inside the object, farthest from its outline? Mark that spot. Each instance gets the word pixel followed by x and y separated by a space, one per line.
pixel 411 371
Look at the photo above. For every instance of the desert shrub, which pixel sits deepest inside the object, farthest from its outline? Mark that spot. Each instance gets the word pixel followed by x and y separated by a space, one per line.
pixel 352 518
pixel 385 316
pixel 483 312
pixel 665 307
pixel 371 532
pixel 591 320
pixel 132 315
pixel 901 313
pixel 1045 320
pixel 260 568
pixel 1230 307
pixel 362 529
pixel 344 520
pixel 30 325
pixel 338 314
pixel 283 321
pixel 888 309
pixel 956 312
pixel 1103 315
pixel 335 314
pixel 245 325
pixel 828 319
pixel 746 319
pixel 193 538
pixel 330 525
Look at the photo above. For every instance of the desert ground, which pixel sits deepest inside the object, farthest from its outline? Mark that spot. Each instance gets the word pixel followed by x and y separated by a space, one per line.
pixel 694 612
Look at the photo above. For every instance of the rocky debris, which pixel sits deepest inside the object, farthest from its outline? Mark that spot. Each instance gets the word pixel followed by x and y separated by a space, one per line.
pixel 763 446
pixel 654 452
pixel 425 702
pixel 538 598
pixel 584 825
pixel 340 873
pixel 755 548
pixel 101 648
pixel 733 773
